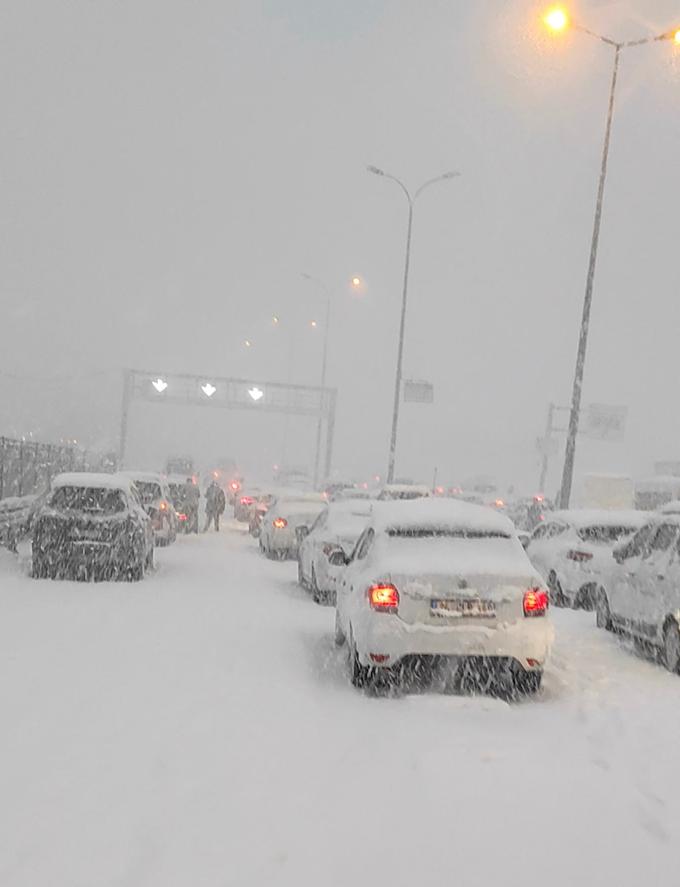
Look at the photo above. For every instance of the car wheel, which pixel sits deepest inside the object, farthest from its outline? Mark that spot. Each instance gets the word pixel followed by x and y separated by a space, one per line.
pixel 135 571
pixel 318 596
pixel 301 576
pixel 603 616
pixel 39 568
pixel 339 635
pixel 526 683
pixel 671 646
pixel 557 597
pixel 358 673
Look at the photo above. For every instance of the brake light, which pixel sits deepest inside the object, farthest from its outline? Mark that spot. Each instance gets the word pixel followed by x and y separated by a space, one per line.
pixel 535 602
pixel 383 598
pixel 279 523
pixel 235 485
pixel 246 500
pixel 579 556
pixel 163 506
pixel 182 516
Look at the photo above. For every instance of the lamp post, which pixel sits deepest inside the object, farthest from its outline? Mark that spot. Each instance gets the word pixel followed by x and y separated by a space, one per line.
pixel 402 325
pixel 558 20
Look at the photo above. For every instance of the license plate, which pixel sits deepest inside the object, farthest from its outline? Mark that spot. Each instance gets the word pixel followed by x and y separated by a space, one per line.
pixel 463 608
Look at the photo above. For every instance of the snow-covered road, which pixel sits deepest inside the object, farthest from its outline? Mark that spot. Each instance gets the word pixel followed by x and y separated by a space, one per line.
pixel 198 729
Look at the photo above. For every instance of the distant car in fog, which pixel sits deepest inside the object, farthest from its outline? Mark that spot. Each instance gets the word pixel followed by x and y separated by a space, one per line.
pixel 15 514
pixel 337 528
pixel 157 500
pixel 572 550
pixel 92 526
pixel 278 531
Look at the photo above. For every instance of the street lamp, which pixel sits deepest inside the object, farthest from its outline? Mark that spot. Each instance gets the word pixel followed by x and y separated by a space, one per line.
pixel 557 20
pixel 324 364
pixel 400 351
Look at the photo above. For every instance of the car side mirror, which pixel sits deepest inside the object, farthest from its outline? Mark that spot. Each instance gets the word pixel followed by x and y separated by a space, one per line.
pixel 338 558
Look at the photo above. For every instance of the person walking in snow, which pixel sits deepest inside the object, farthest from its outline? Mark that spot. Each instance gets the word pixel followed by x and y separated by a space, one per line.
pixel 191 498
pixel 215 504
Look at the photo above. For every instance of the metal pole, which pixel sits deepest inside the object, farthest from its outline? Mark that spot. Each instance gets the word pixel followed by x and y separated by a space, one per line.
pixel 570 450
pixel 3 449
pixel 400 351
pixel 125 410
pixel 546 453
pixel 330 429
pixel 319 424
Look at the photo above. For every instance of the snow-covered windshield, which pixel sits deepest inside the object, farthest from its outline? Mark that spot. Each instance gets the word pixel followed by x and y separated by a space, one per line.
pixel 91 499
pixel 149 491
pixel 444 532
pixel 604 534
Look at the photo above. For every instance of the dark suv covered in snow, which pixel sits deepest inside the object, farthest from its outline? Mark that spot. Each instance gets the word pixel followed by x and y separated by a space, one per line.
pixel 92 526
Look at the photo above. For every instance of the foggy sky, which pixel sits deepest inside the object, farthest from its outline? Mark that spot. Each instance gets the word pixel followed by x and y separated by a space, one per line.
pixel 169 168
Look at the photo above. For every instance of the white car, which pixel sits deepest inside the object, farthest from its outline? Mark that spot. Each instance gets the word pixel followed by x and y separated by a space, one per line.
pixel 337 528
pixel 572 550
pixel 642 594
pixel 278 531
pixel 154 491
pixel 436 580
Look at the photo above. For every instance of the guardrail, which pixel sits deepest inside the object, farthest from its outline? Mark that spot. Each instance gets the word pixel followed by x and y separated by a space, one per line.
pixel 27 467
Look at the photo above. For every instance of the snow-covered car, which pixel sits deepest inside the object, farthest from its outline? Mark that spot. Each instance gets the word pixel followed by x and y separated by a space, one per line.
pixel 250 501
pixel 395 492
pixel 92 526
pixel 642 593
pixel 155 494
pixel 436 580
pixel 14 519
pixel 672 507
pixel 337 528
pixel 278 530
pixel 572 550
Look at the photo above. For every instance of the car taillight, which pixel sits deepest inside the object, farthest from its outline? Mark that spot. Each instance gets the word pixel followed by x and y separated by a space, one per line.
pixel 279 523
pixel 535 602
pixel 163 506
pixel 246 500
pixel 384 598
pixel 182 516
pixel 579 556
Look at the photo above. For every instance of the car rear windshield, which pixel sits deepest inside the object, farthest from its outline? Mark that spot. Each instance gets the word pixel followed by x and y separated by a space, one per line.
pixel 444 533
pixel 148 491
pixel 97 500
pixel 604 534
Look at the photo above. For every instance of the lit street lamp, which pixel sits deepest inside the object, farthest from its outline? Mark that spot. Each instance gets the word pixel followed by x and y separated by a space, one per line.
pixel 557 20
pixel 400 351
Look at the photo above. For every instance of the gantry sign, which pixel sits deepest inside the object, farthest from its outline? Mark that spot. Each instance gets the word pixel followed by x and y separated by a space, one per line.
pixel 232 394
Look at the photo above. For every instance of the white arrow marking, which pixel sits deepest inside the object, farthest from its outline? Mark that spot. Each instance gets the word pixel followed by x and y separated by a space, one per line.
pixel 160 385
pixel 208 389
pixel 256 393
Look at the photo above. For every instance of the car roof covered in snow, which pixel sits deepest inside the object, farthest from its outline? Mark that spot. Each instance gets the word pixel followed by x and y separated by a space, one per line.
pixel 356 507
pixel 144 477
pixel 439 514
pixel 672 507
pixel 91 480
pixel 600 517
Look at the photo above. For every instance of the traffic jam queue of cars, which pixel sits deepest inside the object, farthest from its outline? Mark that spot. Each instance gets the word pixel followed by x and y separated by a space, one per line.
pixel 423 579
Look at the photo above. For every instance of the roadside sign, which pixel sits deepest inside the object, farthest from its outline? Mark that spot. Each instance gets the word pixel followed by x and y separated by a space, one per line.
pixel 601 421
pixel 416 391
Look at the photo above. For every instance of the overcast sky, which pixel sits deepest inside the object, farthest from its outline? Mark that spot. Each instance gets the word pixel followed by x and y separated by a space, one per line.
pixel 169 168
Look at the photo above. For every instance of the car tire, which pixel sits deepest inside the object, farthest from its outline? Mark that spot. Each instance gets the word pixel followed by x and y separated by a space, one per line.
pixel 338 634
pixel 358 673
pixel 603 616
pixel 39 568
pixel 526 683
pixel 318 596
pixel 671 646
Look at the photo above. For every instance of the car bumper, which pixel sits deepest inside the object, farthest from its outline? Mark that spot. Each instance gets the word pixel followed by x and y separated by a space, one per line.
pixel 283 540
pixel 528 642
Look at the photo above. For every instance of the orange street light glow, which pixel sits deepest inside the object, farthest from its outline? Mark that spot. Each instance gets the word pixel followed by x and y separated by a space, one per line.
pixel 676 37
pixel 557 19
pixel 356 281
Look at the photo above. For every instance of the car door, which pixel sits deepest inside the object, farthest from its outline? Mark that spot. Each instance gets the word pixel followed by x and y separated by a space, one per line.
pixel 622 586
pixel 651 580
pixel 312 545
pixel 351 577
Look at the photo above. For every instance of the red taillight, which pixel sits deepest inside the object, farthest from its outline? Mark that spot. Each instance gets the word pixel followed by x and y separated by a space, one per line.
pixel 384 598
pixel 246 500
pixel 535 602
pixel 182 516
pixel 163 506
pixel 235 485
pixel 579 556
pixel 279 523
